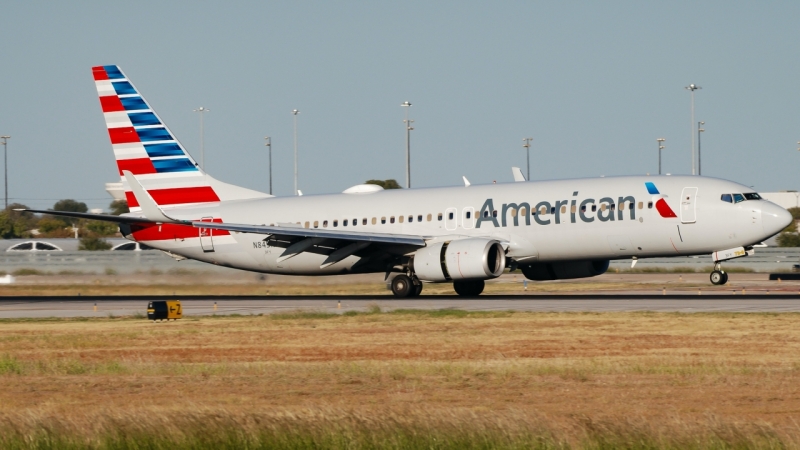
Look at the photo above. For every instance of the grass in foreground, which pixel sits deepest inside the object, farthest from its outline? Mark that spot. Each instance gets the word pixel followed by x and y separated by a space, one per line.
pixel 405 379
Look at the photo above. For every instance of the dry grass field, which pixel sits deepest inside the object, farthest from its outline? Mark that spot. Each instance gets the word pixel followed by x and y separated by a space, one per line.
pixel 405 379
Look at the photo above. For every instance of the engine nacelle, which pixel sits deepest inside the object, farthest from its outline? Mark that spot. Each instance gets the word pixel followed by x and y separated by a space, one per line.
pixel 564 270
pixel 464 259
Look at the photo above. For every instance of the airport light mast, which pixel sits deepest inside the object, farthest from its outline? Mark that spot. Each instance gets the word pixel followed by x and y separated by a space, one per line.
pixel 295 113
pixel 408 123
pixel 202 111
pixel 527 145
pixel 692 88
pixel 700 129
pixel 5 166
pixel 269 145
pixel 660 147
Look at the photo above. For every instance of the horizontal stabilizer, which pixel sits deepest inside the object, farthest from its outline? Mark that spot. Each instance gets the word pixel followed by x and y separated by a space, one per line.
pixel 146 202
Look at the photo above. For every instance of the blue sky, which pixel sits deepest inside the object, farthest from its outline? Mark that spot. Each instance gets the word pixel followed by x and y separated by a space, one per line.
pixel 593 83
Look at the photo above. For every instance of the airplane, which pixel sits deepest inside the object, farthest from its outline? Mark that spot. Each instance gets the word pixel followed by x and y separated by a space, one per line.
pixel 465 235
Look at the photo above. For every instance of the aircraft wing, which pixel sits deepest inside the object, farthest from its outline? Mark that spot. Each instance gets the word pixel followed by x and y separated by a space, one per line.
pixel 91 216
pixel 383 238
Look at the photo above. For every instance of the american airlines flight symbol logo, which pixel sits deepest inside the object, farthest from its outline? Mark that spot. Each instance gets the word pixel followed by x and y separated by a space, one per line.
pixel 661 204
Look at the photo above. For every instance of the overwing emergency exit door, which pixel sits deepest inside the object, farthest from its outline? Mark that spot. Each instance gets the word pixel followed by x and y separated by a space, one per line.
pixel 206 236
pixel 689 205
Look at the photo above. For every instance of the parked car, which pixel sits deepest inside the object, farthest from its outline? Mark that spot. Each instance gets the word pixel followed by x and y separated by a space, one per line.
pixel 131 246
pixel 34 246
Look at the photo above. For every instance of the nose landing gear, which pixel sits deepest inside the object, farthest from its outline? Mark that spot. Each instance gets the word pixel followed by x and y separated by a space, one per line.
pixel 718 276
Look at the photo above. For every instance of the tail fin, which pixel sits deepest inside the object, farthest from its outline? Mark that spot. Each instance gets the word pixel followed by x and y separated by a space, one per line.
pixel 144 146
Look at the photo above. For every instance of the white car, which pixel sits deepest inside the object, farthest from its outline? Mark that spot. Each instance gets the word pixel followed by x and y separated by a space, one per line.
pixel 34 246
pixel 131 246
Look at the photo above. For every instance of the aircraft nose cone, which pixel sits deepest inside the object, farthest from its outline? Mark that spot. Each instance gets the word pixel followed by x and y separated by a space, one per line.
pixel 774 218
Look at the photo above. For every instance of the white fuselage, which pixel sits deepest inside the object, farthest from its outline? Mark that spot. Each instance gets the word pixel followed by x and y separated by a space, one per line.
pixel 577 219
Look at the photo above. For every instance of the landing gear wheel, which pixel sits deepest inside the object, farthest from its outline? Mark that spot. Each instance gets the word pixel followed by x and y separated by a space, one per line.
pixel 718 277
pixel 417 289
pixel 469 288
pixel 402 286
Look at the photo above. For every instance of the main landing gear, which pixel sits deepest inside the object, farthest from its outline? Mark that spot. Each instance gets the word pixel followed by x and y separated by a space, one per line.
pixel 718 276
pixel 405 286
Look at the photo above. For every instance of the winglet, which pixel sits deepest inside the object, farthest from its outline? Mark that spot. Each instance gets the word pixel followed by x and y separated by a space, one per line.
pixel 149 207
pixel 466 181
pixel 517 172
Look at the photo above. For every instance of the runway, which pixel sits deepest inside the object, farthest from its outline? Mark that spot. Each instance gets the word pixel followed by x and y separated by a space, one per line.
pixel 62 307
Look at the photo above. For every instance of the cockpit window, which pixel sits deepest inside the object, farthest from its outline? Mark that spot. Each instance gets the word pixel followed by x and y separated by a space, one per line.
pixel 726 198
pixel 738 198
pixel 752 196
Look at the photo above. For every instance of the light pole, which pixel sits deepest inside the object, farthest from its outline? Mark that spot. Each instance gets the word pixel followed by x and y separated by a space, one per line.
pixel 5 166
pixel 295 113
pixel 269 145
pixel 408 123
pixel 699 160
pixel 660 147
pixel 527 145
pixel 202 110
pixel 692 88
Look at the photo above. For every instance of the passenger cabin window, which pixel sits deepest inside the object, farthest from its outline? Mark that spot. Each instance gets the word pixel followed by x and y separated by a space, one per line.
pixel 391 219
pixel 450 216
pixel 513 212
pixel 494 213
pixel 738 198
pixel 468 214
pixel 543 211
pixel 726 198
pixel 603 207
pixel 316 224
pixel 364 222
pixel 383 220
pixel 486 214
pixel 594 208
pixel 324 224
pixel 355 222
pixel 553 210
pixel 410 219
pixel 336 223
pixel 564 209
pixel 440 217
pixel 374 220
pixel 649 205
pixel 307 224
pixel 419 218
pixel 641 205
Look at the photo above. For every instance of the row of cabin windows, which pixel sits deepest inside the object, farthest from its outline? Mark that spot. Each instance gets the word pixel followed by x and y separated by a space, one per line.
pixel 374 221
pixel 468 214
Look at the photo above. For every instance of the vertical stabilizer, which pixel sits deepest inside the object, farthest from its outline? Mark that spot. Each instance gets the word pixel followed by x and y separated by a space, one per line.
pixel 144 146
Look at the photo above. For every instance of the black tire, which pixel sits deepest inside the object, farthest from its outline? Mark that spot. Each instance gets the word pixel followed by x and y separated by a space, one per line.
pixel 417 289
pixel 717 277
pixel 402 286
pixel 724 277
pixel 469 288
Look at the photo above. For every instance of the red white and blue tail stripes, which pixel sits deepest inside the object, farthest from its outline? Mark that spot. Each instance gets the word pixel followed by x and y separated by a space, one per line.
pixel 144 146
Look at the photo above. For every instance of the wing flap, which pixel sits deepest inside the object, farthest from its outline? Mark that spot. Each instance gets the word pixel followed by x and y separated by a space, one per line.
pixel 383 238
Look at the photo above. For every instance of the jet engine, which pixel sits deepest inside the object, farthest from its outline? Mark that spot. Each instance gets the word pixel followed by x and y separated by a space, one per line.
pixel 564 270
pixel 464 259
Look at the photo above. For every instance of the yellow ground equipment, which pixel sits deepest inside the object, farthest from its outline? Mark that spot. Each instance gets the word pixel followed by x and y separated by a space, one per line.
pixel 160 310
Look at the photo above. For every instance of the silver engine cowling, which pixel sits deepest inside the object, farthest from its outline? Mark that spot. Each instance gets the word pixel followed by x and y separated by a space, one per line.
pixel 564 270
pixel 464 259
